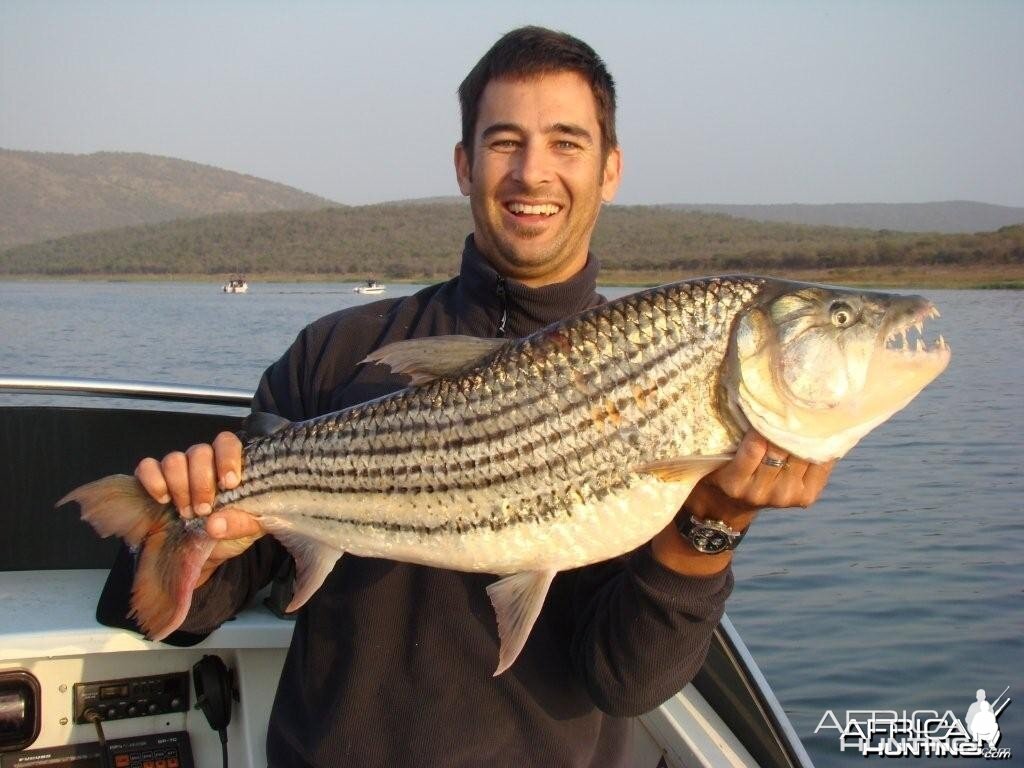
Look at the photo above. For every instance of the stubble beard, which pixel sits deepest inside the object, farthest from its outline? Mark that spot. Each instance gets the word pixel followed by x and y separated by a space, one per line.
pixel 508 256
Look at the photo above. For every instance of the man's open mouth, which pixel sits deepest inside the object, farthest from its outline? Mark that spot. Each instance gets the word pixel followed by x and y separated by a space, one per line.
pixel 535 209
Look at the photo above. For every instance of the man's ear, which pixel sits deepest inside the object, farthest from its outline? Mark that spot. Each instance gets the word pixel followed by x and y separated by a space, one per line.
pixel 612 174
pixel 463 169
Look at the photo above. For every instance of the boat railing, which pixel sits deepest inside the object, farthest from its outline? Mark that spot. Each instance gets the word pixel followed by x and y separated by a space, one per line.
pixel 136 390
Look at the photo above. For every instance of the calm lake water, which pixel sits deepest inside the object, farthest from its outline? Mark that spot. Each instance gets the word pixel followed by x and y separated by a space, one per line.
pixel 902 589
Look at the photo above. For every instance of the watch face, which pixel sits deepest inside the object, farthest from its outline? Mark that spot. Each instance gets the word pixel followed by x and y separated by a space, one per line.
pixel 709 540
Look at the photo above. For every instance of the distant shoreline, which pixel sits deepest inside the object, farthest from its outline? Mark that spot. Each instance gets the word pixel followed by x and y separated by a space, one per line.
pixel 982 277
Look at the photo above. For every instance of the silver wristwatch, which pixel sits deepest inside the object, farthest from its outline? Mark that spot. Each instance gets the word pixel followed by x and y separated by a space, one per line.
pixel 708 536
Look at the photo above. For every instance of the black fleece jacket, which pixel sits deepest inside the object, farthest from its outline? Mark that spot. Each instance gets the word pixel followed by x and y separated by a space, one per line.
pixel 391 663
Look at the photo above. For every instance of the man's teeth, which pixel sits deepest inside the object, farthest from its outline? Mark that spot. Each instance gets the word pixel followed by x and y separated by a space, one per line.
pixel 534 210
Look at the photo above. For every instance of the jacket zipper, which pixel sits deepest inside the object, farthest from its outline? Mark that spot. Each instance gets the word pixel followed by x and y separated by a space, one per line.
pixel 503 299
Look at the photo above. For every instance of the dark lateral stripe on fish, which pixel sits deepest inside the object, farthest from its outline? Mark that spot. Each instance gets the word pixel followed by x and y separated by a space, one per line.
pixel 293 460
pixel 605 363
pixel 263 483
pixel 412 436
pixel 282 467
pixel 525 515
pixel 299 479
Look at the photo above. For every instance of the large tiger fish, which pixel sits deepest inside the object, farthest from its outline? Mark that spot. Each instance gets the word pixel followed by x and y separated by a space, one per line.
pixel 570 446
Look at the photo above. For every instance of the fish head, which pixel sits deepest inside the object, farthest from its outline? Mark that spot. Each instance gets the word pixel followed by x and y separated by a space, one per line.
pixel 815 368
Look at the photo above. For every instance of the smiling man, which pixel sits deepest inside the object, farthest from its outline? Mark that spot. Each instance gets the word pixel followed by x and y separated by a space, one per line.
pixel 391 663
pixel 536 169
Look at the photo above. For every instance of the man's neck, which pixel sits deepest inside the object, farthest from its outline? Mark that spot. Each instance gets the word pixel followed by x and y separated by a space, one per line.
pixel 549 277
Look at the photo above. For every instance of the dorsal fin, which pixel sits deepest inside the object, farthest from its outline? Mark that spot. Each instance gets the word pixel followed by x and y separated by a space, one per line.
pixel 424 360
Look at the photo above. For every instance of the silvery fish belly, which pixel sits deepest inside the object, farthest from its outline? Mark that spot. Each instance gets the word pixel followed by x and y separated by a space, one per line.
pixel 570 446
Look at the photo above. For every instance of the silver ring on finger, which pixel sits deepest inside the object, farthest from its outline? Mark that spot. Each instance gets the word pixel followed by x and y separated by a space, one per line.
pixel 772 461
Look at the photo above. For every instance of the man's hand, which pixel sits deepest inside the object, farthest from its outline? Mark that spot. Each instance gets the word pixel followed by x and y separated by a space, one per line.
pixel 736 492
pixel 190 480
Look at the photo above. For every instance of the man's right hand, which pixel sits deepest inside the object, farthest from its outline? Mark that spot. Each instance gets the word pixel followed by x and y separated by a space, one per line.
pixel 190 481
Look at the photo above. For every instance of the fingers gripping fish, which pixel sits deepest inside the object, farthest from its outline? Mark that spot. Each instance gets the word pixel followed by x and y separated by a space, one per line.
pixel 570 446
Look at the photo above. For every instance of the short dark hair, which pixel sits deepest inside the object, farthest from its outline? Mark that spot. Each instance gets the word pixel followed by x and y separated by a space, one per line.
pixel 531 51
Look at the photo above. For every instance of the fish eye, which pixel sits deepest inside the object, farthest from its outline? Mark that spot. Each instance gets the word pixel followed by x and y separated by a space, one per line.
pixel 842 315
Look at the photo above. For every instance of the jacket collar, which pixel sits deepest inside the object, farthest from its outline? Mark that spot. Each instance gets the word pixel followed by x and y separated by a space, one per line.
pixel 484 297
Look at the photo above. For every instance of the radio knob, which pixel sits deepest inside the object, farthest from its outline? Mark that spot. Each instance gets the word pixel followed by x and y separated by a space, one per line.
pixel 153 709
pixel 133 711
pixel 175 703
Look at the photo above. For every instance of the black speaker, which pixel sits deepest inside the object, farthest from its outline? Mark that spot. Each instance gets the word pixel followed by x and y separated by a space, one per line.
pixel 20 710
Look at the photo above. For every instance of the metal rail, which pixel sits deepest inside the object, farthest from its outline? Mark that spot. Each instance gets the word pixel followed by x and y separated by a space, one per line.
pixel 784 727
pixel 138 390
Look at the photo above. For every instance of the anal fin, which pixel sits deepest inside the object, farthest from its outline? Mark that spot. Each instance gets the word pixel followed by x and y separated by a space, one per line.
pixel 517 601
pixel 314 560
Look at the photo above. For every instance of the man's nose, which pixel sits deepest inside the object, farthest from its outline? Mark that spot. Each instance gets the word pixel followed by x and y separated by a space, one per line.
pixel 532 167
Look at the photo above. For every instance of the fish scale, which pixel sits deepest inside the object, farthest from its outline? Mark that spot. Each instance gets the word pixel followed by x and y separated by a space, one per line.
pixel 573 445
pixel 546 429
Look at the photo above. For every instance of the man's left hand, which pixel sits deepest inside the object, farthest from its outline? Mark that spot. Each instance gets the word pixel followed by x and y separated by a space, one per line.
pixel 736 492
pixel 746 484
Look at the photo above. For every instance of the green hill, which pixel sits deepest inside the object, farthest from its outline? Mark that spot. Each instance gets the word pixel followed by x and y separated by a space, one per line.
pixel 953 216
pixel 421 241
pixel 45 195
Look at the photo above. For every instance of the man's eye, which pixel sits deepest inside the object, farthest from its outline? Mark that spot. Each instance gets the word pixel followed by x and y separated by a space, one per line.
pixel 504 144
pixel 567 145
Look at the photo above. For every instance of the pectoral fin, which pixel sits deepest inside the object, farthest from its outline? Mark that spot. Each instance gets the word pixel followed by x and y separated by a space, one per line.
pixel 424 360
pixel 685 469
pixel 517 601
pixel 313 559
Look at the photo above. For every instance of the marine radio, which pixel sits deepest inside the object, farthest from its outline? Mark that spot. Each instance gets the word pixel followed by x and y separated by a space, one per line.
pixel 96 702
pixel 166 750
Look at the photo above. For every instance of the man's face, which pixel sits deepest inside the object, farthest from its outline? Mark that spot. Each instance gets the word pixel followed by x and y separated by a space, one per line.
pixel 537 178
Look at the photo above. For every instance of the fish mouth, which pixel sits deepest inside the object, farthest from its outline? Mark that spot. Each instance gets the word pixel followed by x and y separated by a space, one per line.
pixel 906 361
pixel 906 336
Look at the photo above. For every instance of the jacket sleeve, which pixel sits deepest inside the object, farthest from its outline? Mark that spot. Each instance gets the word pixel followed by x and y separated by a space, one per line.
pixel 641 631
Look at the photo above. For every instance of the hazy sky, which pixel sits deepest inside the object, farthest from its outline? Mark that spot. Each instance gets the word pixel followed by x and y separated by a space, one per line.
pixel 720 102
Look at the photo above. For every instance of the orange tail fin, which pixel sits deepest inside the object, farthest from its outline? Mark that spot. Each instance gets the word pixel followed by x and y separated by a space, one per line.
pixel 172 552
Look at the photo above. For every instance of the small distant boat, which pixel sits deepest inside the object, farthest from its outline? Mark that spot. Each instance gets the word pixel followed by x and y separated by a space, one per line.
pixel 236 284
pixel 371 287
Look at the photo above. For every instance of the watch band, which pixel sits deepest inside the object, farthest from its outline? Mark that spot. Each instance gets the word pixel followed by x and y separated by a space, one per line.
pixel 708 536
